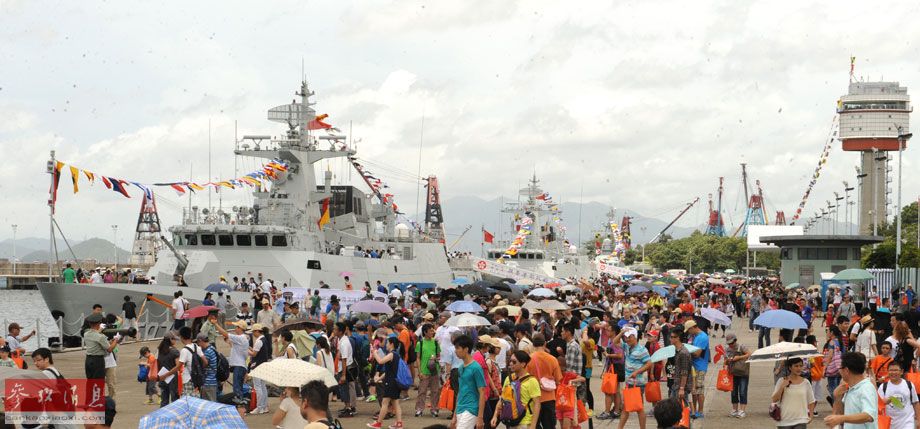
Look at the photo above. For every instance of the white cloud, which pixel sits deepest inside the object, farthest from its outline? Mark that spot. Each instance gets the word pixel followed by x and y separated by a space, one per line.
pixel 644 104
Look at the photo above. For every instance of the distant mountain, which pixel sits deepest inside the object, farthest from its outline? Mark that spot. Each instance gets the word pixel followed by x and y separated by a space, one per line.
pixel 23 246
pixel 464 211
pixel 94 248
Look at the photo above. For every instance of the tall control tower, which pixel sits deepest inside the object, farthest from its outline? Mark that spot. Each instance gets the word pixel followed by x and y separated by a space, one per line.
pixel 872 115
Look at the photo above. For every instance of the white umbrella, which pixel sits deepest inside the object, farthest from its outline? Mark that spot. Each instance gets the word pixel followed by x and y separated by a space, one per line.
pixel 530 304
pixel 292 373
pixel 542 292
pixel 570 288
pixel 464 320
pixel 551 305
pixel 782 351
pixel 716 316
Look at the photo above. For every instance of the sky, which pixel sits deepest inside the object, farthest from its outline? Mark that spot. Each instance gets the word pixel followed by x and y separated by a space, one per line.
pixel 638 105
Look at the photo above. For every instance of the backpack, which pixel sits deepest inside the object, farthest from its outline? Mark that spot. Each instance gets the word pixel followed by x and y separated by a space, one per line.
pixel 196 371
pixel 413 340
pixel 512 409
pixel 142 373
pixel 223 367
pixel 360 351
pixel 910 387
pixel 403 376
pixel 334 424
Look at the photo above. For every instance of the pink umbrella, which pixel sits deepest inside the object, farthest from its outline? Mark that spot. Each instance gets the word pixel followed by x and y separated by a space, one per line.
pixel 345 274
pixel 199 311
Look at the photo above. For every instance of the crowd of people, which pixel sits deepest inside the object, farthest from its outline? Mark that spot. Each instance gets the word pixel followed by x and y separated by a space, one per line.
pixel 650 351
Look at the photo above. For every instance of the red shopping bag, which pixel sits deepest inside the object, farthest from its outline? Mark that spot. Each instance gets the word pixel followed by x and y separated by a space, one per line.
pixel 632 399
pixel 724 381
pixel 652 392
pixel 565 397
pixel 582 412
pixel 609 383
pixel 684 415
pixel 446 401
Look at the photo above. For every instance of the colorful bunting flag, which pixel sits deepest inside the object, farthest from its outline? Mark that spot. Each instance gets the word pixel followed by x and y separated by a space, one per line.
pixel 75 177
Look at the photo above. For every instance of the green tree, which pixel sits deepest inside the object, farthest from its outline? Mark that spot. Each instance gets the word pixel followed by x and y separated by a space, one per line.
pixel 883 255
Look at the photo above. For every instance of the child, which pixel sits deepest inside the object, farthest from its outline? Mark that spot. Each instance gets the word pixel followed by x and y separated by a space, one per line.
pixel 148 360
pixel 879 364
pixel 568 377
pixel 5 359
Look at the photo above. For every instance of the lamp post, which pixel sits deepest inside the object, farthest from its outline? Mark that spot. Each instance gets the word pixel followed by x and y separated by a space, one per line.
pixel 643 246
pixel 875 178
pixel 14 248
pixel 859 178
pixel 902 140
pixel 849 217
pixel 115 244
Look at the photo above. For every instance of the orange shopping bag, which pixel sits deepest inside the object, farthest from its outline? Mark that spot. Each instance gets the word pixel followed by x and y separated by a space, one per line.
pixel 565 397
pixel 446 401
pixel 684 415
pixel 652 392
pixel 582 412
pixel 913 377
pixel 609 382
pixel 724 380
pixel 632 399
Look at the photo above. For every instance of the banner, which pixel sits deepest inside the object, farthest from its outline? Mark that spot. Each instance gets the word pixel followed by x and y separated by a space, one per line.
pixel 506 271
pixel 607 267
pixel 814 177
pixel 259 178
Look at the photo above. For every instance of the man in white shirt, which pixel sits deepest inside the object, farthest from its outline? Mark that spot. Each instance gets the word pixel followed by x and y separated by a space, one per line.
pixel 188 352
pixel 96 277
pixel 239 351
pixel 178 309
pixel 266 286
pixel 443 336
pixel 348 373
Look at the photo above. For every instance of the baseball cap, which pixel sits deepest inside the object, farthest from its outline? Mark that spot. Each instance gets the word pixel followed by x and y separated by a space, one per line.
pixel 257 327
pixel 730 338
pixel 689 324
pixel 428 316
pixel 240 324
pixel 630 332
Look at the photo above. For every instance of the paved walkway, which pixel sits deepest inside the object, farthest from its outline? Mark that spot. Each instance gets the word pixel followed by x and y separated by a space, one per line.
pixel 130 398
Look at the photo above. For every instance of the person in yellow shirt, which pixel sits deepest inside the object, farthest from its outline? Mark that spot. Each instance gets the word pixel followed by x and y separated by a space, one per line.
pixel 530 392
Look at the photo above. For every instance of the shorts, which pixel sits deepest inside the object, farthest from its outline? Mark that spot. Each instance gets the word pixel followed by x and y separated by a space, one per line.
pixel 562 415
pixel 620 369
pixel 466 420
pixel 699 382
pixel 151 388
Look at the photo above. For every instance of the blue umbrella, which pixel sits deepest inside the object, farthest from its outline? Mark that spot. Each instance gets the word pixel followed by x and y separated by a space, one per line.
pixel 636 289
pixel 464 307
pixel 217 287
pixel 189 412
pixel 370 306
pixel 460 281
pixel 780 319
pixel 660 290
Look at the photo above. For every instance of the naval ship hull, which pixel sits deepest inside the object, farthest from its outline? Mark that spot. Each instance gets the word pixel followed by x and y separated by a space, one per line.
pixel 72 301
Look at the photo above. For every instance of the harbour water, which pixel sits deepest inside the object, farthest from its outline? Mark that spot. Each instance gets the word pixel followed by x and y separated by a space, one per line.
pixel 27 308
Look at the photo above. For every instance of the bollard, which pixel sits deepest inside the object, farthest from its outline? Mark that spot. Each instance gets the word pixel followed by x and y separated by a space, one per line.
pixel 61 333
pixel 38 331
pixel 82 321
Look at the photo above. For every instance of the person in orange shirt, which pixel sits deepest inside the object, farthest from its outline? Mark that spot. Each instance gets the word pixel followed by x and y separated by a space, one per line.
pixel 879 364
pixel 546 369
pixel 405 338
pixel 686 308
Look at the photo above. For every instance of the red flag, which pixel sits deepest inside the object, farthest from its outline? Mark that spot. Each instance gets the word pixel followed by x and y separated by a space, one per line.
pixel 318 123
pixel 487 236
pixel 323 214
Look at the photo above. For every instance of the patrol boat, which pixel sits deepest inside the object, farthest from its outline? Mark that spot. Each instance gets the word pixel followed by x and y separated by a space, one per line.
pixel 283 236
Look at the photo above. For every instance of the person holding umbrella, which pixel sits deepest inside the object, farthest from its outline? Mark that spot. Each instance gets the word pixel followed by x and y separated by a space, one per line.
pixel 736 356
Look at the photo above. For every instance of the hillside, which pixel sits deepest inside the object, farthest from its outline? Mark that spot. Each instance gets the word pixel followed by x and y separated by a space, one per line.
pixel 94 248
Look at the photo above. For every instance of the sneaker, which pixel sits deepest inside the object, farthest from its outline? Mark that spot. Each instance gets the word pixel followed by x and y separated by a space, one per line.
pixel 375 425
pixel 348 412
pixel 372 398
pixel 741 414
pixel 434 414
pixel 418 413
pixel 604 416
pixel 734 413
pixel 398 425
pixel 699 415
pixel 815 413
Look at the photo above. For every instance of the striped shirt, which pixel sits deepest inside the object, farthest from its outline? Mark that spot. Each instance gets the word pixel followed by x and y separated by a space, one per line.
pixel 210 373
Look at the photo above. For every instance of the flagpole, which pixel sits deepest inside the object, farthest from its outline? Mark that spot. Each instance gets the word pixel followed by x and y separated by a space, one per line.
pixel 482 241
pixel 52 168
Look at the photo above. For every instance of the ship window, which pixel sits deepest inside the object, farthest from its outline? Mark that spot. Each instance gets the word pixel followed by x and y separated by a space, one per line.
pixel 178 240
pixel 313 264
pixel 539 256
pixel 243 240
pixel 261 240
pixel 225 240
pixel 279 241
pixel 208 240
pixel 191 239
